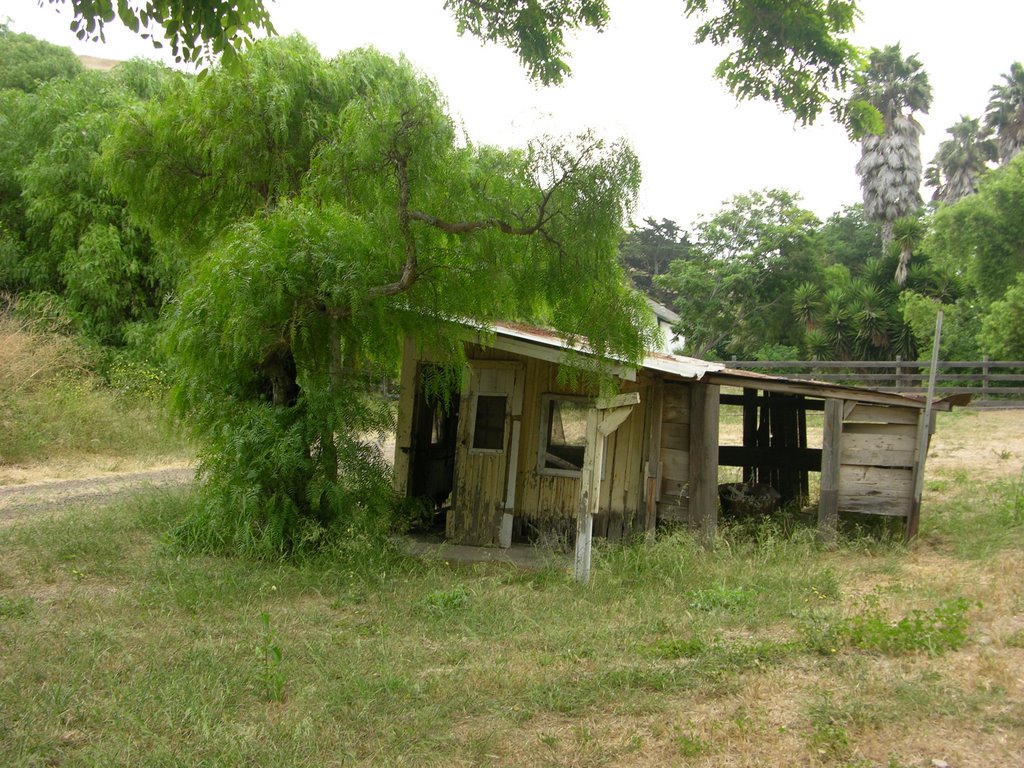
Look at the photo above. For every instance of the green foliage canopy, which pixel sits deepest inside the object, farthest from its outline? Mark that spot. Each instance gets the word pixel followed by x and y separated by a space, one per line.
pixel 983 235
pixel 197 30
pixel 734 291
pixel 27 62
pixel 1002 330
pixel 792 52
pixel 73 237
pixel 325 208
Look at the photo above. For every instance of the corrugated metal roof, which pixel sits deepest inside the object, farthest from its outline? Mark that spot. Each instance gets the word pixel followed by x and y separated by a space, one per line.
pixel 694 369
pixel 677 365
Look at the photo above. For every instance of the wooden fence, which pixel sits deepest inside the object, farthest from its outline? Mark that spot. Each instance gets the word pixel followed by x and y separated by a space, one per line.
pixel 991 383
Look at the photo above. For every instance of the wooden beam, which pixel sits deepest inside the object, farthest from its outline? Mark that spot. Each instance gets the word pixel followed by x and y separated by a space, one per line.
pixel 703 474
pixel 602 421
pixel 618 401
pixel 804 459
pixel 653 462
pixel 590 489
pixel 924 434
pixel 550 353
pixel 751 397
pixel 831 449
pixel 406 406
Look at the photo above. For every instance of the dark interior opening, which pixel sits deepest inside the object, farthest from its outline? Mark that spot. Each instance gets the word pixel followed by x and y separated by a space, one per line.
pixel 432 453
pixel 775 450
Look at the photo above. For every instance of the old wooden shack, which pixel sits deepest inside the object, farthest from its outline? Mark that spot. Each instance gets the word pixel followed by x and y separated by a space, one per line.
pixel 502 455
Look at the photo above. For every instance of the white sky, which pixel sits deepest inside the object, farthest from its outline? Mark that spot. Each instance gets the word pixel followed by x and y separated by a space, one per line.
pixel 644 80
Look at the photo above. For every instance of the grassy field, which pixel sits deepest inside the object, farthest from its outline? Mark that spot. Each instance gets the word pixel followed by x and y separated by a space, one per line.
pixel 117 649
pixel 58 419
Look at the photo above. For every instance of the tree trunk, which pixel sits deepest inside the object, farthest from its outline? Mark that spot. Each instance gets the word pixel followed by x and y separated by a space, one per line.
pixel 279 368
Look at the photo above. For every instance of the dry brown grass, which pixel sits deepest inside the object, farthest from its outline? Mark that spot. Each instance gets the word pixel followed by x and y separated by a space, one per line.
pixel 31 358
pixel 125 641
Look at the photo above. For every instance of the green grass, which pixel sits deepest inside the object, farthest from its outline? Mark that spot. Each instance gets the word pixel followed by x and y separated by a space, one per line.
pixel 116 648
pixel 53 406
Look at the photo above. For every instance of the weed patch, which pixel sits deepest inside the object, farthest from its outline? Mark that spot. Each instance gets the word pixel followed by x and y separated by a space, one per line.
pixel 933 631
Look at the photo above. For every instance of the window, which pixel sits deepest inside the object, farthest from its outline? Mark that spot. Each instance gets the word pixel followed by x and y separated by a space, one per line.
pixel 563 435
pixel 489 423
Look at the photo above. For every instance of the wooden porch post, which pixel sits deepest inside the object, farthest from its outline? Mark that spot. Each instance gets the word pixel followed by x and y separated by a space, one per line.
pixel 704 457
pixel 654 461
pixel 831 445
pixel 602 420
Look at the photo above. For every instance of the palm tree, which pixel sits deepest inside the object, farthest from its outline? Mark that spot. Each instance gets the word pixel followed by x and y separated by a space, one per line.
pixel 960 161
pixel 1005 114
pixel 890 162
pixel 907 233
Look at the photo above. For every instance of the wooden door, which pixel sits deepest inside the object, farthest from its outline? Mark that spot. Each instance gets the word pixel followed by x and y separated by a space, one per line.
pixel 486 455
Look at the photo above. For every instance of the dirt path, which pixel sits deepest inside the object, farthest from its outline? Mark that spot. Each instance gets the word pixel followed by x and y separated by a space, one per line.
pixel 987 445
pixel 18 501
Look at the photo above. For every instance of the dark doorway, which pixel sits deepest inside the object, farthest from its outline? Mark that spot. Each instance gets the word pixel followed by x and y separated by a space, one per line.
pixel 432 449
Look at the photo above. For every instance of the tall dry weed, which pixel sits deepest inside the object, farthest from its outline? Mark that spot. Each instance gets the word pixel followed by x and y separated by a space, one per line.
pixel 31 357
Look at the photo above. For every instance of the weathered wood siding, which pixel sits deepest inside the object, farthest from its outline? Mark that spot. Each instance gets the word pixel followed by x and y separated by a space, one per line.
pixel 876 459
pixel 481 476
pixel 674 459
pixel 406 401
pixel 549 498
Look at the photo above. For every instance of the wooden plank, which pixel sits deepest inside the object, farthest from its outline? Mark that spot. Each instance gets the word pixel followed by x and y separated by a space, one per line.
pixel 888 430
pixel 590 481
pixel 875 490
pixel 675 464
pixel 675 436
pixel 654 446
pixel 809 389
pixel 673 489
pixel 878 450
pixel 539 351
pixel 704 457
pixel 653 459
pixel 831 446
pixel 406 404
pixel 883 414
pixel 755 399
pixel 674 513
pixel 676 406
pixel 924 433
pixel 618 401
pixel 805 459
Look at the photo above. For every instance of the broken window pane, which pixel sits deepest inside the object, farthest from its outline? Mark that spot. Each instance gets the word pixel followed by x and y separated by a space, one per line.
pixel 565 437
pixel 489 427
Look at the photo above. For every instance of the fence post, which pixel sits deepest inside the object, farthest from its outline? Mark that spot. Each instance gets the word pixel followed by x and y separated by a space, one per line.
pixel 984 378
pixel 898 382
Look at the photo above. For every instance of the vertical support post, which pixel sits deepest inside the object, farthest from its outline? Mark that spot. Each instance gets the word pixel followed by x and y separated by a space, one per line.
pixel 984 378
pixel 704 458
pixel 831 446
pixel 897 381
pixel 924 434
pixel 601 422
pixel 590 490
pixel 750 474
pixel 654 461
pixel 406 406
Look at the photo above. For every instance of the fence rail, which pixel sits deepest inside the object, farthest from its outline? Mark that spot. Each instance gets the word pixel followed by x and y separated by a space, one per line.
pixel 992 383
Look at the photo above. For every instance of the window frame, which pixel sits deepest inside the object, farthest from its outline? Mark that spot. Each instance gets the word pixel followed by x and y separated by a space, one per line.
pixel 542 434
pixel 504 424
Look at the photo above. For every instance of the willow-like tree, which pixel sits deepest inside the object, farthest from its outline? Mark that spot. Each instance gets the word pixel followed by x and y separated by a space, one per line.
pixel 325 209
pixel 890 162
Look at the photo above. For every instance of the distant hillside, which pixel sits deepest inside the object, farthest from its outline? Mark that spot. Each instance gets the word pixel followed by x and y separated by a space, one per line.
pixel 94 62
